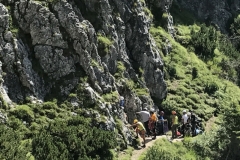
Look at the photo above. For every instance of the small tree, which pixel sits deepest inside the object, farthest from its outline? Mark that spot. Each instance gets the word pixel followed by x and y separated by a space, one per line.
pixel 194 73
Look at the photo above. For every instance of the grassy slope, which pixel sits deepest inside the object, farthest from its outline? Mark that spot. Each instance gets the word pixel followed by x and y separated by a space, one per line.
pixel 167 151
pixel 186 92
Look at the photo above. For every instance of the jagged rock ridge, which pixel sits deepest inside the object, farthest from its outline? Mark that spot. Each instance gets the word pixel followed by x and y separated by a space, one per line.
pixel 59 42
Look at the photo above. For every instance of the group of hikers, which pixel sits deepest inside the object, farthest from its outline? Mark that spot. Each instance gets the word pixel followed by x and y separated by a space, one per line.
pixel 153 124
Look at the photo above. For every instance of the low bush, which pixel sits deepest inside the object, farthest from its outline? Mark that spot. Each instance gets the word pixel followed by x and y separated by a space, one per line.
pixel 9 144
pixel 49 105
pixel 111 97
pixel 194 73
pixel 73 139
pixel 165 150
pixel 23 112
pixel 211 87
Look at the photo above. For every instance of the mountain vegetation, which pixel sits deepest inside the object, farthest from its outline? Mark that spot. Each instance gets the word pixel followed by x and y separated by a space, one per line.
pixel 202 73
pixel 79 117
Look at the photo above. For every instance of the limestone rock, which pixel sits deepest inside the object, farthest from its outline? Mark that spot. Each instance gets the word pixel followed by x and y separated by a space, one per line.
pixel 57 44
pixel 3 118
pixel 218 12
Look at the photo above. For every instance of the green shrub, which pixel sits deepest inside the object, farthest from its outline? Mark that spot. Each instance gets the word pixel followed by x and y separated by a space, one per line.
pixel 211 87
pixel 172 90
pixel 63 106
pixel 142 92
pixel 72 95
pixel 73 139
pixel 51 113
pixel 34 126
pixel 165 150
pixel 172 71
pixel 120 70
pixel 95 64
pixel 111 97
pixel 205 41
pixel 10 144
pixel 189 101
pixel 103 45
pixel 15 123
pixel 49 105
pixel 130 84
pixel 181 90
pixel 37 109
pixel 148 12
pixel 23 112
pixel 4 105
pixel 194 73
pixel 194 97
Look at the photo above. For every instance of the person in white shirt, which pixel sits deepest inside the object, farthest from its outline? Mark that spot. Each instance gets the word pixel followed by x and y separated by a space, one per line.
pixel 145 115
pixel 184 121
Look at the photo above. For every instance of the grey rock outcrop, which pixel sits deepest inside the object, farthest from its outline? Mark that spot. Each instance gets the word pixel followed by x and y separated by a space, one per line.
pixel 3 118
pixel 58 43
pixel 218 12
pixel 159 3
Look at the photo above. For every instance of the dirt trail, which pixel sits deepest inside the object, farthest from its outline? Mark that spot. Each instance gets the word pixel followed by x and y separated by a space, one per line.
pixel 149 142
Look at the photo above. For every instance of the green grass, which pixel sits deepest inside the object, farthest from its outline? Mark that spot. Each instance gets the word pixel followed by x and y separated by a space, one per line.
pixel 164 150
pixel 203 93
pixel 125 154
pixel 148 12
pixel 111 97
pixel 23 112
pixel 94 63
pixel 142 92
pixel 103 45
pixel 120 70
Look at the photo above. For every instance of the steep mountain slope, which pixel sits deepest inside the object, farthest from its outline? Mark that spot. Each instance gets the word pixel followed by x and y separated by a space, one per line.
pixel 65 64
pixel 199 79
pixel 47 46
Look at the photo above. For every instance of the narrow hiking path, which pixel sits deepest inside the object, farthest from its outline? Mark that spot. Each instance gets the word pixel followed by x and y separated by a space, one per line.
pixel 138 152
pixel 149 143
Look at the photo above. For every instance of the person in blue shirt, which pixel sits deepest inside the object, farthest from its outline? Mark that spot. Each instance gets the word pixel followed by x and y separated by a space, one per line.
pixel 161 122
pixel 121 102
pixel 161 114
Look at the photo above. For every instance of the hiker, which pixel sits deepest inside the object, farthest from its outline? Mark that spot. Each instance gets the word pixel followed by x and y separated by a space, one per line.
pixel 121 102
pixel 184 121
pixel 193 122
pixel 174 124
pixel 161 122
pixel 145 119
pixel 140 130
pixel 152 123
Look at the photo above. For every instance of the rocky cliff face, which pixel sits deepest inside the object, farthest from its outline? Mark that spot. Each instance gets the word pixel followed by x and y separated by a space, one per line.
pixel 46 47
pixel 219 12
